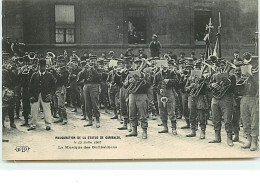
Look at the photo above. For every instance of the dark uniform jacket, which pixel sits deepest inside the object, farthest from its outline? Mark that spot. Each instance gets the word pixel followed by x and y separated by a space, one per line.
pixel 155 47
pixel 160 76
pixel 44 84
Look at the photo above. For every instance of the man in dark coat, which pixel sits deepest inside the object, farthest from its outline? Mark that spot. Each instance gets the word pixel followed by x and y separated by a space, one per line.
pixel 41 89
pixel 155 46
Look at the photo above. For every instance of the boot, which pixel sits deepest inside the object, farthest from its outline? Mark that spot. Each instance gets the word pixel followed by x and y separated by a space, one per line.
pixel 59 120
pixel 236 138
pixel 192 134
pixel 144 134
pixel 217 137
pixel 165 128
pixel 97 122
pixel 65 122
pixel 186 126
pixel 25 123
pixel 12 124
pixel 89 122
pixel 153 117
pixel 174 131
pixel 134 132
pixel 229 139
pixel 116 115
pixel 249 141
pixel 254 143
pixel 202 134
pixel 124 127
pixel 74 110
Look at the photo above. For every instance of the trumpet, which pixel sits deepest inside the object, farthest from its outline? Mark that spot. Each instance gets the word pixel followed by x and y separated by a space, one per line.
pixel 31 55
pixel 164 100
pixel 50 55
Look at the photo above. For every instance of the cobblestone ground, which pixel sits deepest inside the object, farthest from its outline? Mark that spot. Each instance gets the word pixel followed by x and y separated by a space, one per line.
pixel 44 145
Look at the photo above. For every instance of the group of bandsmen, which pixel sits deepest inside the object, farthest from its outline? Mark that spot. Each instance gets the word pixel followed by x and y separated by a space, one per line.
pixel 135 88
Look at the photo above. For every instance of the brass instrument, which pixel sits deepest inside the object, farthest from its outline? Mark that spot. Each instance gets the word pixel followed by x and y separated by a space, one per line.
pixel 50 55
pixel 222 87
pixel 197 87
pixel 31 55
pixel 133 87
pixel 163 99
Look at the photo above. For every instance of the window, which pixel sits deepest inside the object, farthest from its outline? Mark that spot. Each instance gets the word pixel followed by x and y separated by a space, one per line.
pixel 136 25
pixel 65 23
pixel 162 12
pixel 201 19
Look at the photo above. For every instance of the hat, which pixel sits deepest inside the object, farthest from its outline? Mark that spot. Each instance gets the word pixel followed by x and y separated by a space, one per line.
pixel 73 51
pixel 182 53
pixel 111 52
pixel 137 60
pixel 83 63
pixel 42 62
pixel 141 49
pixel 193 53
pixel 92 57
pixel 237 52
pixel 154 35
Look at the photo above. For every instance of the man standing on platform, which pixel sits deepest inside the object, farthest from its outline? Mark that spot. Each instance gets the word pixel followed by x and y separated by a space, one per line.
pixel 155 46
pixel 41 89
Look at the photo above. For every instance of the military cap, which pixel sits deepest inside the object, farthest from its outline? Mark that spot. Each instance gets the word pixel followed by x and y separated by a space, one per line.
pixel 127 58
pixel 141 49
pixel 111 52
pixel 193 53
pixel 237 52
pixel 92 57
pixel 138 60
pixel 156 58
pixel 154 35
pixel 182 53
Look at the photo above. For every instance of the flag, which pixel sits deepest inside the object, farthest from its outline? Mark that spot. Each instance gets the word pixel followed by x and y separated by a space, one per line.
pixel 216 51
pixel 208 46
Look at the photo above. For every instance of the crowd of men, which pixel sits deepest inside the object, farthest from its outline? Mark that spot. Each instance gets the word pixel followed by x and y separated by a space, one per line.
pixel 136 87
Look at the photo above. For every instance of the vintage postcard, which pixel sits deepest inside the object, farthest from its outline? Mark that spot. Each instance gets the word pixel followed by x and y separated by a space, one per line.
pixel 70 91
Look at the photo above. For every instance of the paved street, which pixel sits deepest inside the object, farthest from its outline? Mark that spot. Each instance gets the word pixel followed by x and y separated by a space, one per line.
pixel 56 144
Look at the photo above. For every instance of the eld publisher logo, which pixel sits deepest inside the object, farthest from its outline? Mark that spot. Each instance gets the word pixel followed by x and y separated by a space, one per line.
pixel 22 149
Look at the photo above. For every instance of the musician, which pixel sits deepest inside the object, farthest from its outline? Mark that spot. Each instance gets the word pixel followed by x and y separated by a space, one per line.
pixel 165 82
pixel 192 55
pixel 74 57
pixel 124 96
pixel 62 81
pixel 15 47
pixel 222 106
pixel 103 85
pixel 142 54
pixel 91 91
pixel 236 112
pixel 198 103
pixel 81 85
pixel 41 89
pixel 24 79
pixel 74 90
pixel 181 58
pixel 85 56
pixel 155 46
pixel 236 57
pixel 249 107
pixel 137 85
pixel 129 53
pixel 111 55
pixel 8 103
pixel 184 94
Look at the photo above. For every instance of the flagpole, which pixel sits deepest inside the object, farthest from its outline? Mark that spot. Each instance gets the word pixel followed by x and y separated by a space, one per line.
pixel 218 34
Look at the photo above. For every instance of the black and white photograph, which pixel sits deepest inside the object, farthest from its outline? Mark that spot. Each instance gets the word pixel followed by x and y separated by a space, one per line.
pixel 129 79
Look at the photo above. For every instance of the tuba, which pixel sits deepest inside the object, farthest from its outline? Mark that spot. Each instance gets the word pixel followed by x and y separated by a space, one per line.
pixel 223 85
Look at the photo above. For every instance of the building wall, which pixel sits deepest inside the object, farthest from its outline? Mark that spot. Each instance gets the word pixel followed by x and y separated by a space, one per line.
pixel 101 25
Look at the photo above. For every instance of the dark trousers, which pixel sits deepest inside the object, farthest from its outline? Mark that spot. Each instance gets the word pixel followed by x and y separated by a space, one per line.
pixel 138 110
pixel 8 109
pixel 222 107
pixel 91 97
